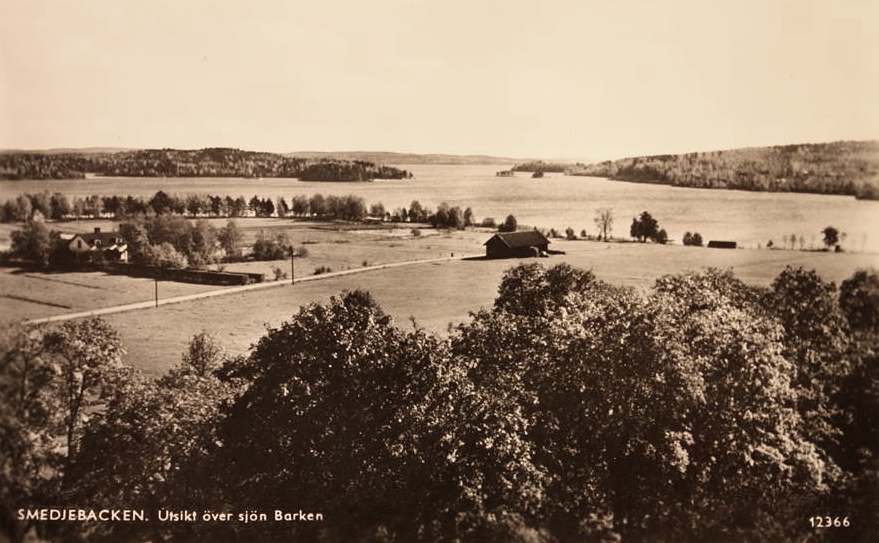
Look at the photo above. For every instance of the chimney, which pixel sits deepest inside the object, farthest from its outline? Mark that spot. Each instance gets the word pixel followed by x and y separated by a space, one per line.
pixel 97 230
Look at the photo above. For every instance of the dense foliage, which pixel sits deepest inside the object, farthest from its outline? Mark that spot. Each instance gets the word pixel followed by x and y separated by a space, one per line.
pixel 694 239
pixel 212 162
pixel 539 166
pixel 171 241
pixel 35 242
pixel 845 167
pixel 510 224
pixel 702 409
pixel 645 227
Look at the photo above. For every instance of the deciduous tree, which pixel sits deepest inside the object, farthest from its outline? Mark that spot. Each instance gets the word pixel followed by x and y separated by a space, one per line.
pixel 831 236
pixel 604 221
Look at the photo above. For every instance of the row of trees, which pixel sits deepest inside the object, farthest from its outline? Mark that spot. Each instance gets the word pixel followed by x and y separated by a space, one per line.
pixel 572 410
pixel 165 241
pixel 539 166
pixel 349 207
pixel 831 237
pixel 52 206
pixel 57 206
pixel 211 162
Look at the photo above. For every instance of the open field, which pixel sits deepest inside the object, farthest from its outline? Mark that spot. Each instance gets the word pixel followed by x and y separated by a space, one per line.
pixel 433 294
pixel 27 294
pixel 437 294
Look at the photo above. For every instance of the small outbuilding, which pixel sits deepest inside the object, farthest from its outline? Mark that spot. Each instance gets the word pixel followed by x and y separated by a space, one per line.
pixel 718 244
pixel 516 244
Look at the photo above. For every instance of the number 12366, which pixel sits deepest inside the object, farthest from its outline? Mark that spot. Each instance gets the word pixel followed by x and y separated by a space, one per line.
pixel 829 522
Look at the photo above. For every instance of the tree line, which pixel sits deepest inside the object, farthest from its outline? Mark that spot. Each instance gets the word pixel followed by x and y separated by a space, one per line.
pixel 158 232
pixel 210 162
pixel 571 410
pixel 165 241
pixel 57 206
pixel 845 167
pixel 539 166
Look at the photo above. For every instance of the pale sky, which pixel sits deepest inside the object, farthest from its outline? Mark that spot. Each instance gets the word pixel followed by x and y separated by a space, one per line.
pixel 550 78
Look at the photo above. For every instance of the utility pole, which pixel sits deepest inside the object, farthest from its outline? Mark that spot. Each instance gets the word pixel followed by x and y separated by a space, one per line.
pixel 156 280
pixel 292 269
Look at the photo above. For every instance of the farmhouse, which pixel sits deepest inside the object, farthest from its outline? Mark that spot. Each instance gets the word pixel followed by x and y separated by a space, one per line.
pixel 516 244
pixel 108 244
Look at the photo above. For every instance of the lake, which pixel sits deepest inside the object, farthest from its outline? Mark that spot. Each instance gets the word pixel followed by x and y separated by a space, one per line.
pixel 555 201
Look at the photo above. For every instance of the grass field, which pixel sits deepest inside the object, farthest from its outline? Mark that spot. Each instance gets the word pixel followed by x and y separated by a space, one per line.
pixel 437 294
pixel 27 294
pixel 434 294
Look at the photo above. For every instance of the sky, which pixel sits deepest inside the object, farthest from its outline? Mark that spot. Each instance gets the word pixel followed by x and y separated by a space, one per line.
pixel 580 79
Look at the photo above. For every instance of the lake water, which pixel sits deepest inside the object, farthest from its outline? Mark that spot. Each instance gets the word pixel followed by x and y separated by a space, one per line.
pixel 555 201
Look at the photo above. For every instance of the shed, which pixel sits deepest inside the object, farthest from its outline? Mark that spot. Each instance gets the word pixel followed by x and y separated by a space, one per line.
pixel 516 244
pixel 717 244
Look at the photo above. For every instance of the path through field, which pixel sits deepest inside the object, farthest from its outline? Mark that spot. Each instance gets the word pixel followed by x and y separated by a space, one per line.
pixel 218 292
pixel 434 294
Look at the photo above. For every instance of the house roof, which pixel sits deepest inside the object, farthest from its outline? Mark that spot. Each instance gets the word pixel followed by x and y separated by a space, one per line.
pixel 106 238
pixel 526 238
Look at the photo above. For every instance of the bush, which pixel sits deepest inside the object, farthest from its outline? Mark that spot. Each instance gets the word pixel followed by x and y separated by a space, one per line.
pixel 33 242
pixel 661 236
pixel 488 222
pixel 271 248
pixel 164 255
pixel 230 240
pixel 322 269
pixel 695 239
pixel 510 224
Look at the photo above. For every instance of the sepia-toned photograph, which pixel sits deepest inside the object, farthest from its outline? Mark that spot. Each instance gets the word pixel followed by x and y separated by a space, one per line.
pixel 398 271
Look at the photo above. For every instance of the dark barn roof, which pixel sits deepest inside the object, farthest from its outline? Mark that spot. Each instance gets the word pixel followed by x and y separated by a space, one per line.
pixel 526 238
pixel 718 244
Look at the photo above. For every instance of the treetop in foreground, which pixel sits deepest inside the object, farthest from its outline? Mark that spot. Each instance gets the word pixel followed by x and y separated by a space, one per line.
pixel 702 409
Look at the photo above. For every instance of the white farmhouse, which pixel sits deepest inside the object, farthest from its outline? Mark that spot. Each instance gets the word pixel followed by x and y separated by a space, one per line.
pixel 109 244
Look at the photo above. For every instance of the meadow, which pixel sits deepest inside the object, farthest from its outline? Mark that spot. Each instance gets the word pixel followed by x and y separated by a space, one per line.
pixel 433 296
pixel 30 294
pixel 438 295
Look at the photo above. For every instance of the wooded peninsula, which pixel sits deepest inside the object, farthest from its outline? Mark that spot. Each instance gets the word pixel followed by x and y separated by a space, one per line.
pixel 212 162
pixel 844 167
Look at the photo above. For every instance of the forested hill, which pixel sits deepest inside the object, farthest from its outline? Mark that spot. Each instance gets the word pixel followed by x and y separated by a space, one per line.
pixel 844 167
pixel 213 162
pixel 405 158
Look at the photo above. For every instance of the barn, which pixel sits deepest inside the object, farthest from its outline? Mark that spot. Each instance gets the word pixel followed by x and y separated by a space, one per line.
pixel 516 244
